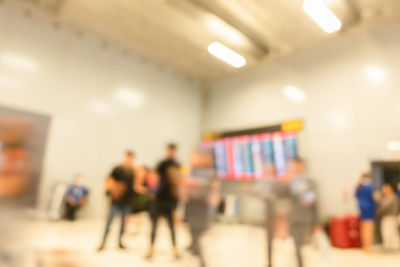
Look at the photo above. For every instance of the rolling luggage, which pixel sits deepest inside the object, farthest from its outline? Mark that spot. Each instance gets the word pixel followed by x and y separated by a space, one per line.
pixel 345 231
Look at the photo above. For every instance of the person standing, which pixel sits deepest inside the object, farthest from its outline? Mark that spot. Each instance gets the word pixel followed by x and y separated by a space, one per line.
pixel 388 210
pixel 367 207
pixel 76 197
pixel 166 199
pixel 303 215
pixel 119 188
pixel 202 195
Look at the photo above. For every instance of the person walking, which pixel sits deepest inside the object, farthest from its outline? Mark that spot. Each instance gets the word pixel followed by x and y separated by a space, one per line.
pixel 166 198
pixel 119 187
pixel 303 215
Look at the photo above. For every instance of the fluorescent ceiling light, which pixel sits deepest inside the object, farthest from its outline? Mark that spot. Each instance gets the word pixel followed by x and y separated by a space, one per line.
pixel 393 145
pixel 321 14
pixel 375 73
pixel 294 94
pixel 224 53
pixel 129 97
pixel 19 62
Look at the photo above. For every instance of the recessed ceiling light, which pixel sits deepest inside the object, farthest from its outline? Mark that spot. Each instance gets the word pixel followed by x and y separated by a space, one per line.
pixel 321 14
pixel 294 94
pixel 99 107
pixel 19 62
pixel 129 97
pixel 393 145
pixel 227 55
pixel 375 73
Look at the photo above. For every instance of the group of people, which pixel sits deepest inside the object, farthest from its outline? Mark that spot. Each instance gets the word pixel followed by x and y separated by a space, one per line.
pixel 127 185
pixel 381 207
pixel 291 201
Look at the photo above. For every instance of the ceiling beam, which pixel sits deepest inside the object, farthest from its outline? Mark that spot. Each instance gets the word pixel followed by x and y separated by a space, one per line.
pixel 213 8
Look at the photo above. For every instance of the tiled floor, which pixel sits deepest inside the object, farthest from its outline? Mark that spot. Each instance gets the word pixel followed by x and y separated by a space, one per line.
pixel 64 244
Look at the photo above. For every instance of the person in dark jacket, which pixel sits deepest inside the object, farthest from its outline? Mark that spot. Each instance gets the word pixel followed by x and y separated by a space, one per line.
pixel 119 188
pixel 166 198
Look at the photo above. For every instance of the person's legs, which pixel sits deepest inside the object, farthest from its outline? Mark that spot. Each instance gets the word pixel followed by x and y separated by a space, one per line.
pixel 395 235
pixel 154 216
pixel 111 215
pixel 125 210
pixel 196 248
pixel 367 234
pixel 299 232
pixel 270 231
pixel 73 212
pixel 68 211
pixel 390 233
pixel 170 215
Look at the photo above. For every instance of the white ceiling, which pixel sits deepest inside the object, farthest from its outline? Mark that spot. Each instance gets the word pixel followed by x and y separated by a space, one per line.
pixel 177 32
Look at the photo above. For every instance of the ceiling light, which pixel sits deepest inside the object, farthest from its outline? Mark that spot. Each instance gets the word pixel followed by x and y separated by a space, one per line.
pixel 99 107
pixel 224 53
pixel 129 97
pixel 294 94
pixel 321 14
pixel 375 73
pixel 393 146
pixel 19 62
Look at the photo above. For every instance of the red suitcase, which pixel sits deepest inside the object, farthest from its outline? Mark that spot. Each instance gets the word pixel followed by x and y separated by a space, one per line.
pixel 345 231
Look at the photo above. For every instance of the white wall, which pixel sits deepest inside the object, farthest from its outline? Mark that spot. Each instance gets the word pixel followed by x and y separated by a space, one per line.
pixel 72 73
pixel 348 118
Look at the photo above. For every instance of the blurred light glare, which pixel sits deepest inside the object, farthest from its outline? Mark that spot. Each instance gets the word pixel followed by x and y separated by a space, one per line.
pixel 99 107
pixel 225 54
pixel 220 29
pixel 340 121
pixel 19 62
pixel 129 97
pixel 321 14
pixel 393 145
pixel 375 73
pixel 294 94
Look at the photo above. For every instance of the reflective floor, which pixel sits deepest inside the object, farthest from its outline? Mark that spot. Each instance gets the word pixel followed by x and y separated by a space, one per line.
pixel 53 244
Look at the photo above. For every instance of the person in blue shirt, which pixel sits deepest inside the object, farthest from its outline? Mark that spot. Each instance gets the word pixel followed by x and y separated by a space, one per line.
pixel 76 197
pixel 367 207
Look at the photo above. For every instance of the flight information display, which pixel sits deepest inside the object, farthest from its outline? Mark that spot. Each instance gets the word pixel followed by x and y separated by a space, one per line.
pixel 246 157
